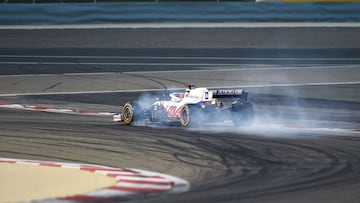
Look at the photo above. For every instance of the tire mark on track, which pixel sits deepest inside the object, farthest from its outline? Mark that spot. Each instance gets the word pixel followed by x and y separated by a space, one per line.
pixel 226 166
pixel 268 163
pixel 157 80
pixel 52 86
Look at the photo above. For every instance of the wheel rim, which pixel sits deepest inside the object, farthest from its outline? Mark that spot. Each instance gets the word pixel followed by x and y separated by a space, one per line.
pixel 127 113
pixel 185 117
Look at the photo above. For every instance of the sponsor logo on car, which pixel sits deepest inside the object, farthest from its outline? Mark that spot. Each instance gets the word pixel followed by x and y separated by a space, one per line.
pixel 173 111
pixel 206 95
pixel 228 92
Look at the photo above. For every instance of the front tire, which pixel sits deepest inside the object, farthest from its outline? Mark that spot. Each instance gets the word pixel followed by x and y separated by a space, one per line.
pixel 128 114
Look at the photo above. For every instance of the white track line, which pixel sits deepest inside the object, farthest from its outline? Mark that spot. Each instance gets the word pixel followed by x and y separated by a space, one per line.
pixel 115 64
pixel 79 92
pixel 184 25
pixel 173 64
pixel 177 89
pixel 170 57
pixel 55 110
pixel 253 68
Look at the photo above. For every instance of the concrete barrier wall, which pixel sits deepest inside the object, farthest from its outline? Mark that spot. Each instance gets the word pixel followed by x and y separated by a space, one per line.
pixel 326 1
pixel 75 13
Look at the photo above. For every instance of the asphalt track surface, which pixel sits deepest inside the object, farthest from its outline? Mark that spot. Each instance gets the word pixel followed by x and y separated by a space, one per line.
pixel 300 149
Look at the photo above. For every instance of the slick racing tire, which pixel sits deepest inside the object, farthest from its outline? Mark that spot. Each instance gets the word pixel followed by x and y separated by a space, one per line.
pixel 185 116
pixel 191 116
pixel 243 114
pixel 128 114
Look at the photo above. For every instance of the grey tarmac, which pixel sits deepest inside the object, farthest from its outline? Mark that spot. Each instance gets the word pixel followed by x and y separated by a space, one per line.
pixel 270 162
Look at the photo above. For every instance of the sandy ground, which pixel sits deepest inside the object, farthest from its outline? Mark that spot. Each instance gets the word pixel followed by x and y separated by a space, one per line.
pixel 21 183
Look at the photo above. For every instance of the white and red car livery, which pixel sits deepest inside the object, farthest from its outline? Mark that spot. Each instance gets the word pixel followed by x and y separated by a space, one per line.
pixel 194 106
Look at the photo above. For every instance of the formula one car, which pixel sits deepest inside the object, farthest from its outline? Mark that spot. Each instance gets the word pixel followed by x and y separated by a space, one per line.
pixel 194 107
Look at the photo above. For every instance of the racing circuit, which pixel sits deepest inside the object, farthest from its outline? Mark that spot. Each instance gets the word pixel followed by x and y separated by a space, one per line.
pixel 303 147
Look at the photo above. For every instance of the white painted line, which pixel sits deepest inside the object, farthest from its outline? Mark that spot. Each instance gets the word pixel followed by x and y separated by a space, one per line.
pixel 184 25
pixel 61 74
pixel 28 163
pixel 172 57
pixel 73 166
pixel 109 193
pixel 134 178
pixel 77 92
pixel 113 172
pixel 117 64
pixel 177 89
pixel 290 85
pixel 174 64
pixel 19 63
pixel 97 73
pixel 144 185
pixel 99 63
pixel 254 67
pixel 55 110
pixel 136 64
pixel 29 75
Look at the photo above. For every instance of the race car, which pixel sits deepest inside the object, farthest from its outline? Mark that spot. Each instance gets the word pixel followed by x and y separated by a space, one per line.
pixel 193 107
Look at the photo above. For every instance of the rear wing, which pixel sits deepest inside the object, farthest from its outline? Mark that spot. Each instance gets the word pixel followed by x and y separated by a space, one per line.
pixel 230 93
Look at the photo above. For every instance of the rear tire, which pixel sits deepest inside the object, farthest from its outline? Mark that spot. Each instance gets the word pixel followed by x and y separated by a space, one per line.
pixel 191 116
pixel 185 116
pixel 243 114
